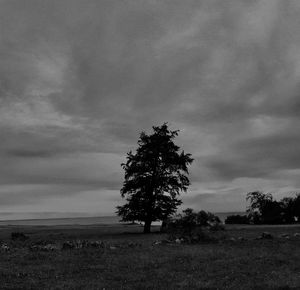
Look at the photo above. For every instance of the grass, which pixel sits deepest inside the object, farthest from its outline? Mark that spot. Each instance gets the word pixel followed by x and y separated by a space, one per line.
pixel 135 263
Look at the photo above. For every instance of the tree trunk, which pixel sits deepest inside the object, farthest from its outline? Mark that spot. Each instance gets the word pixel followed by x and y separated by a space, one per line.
pixel 147 227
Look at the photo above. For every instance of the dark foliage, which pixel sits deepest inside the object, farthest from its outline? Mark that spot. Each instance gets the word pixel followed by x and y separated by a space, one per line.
pixel 264 209
pixel 154 177
pixel 18 236
pixel 191 226
pixel 237 219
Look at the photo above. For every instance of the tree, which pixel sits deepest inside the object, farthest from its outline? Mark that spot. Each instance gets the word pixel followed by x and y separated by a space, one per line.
pixel 237 219
pixel 154 177
pixel 288 206
pixel 259 201
pixel 264 209
pixel 296 207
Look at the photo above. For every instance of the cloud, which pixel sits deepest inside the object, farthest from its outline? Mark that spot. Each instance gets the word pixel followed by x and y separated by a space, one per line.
pixel 217 202
pixel 28 153
pixel 80 80
pixel 99 170
pixel 258 156
pixel 34 198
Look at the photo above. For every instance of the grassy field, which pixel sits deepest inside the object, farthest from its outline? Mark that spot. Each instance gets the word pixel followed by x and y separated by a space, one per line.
pixel 128 259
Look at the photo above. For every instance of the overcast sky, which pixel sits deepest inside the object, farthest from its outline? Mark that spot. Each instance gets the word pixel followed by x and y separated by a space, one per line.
pixel 79 80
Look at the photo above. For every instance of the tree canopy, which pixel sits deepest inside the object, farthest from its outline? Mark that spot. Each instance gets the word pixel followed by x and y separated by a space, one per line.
pixel 154 177
pixel 264 209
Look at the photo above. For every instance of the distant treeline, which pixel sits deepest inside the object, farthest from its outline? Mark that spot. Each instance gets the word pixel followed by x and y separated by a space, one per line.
pixel 264 209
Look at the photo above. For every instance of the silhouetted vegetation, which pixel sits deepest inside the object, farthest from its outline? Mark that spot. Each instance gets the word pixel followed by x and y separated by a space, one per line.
pixel 154 177
pixel 264 209
pixel 18 236
pixel 193 227
pixel 117 256
pixel 237 219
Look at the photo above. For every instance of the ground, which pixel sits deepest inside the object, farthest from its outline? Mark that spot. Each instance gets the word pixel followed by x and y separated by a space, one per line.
pixel 128 259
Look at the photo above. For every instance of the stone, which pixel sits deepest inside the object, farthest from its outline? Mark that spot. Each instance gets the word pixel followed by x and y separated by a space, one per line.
pixel 157 243
pixel 285 235
pixel 45 248
pixel 166 241
pixel 4 247
pixel 266 235
pixel 68 245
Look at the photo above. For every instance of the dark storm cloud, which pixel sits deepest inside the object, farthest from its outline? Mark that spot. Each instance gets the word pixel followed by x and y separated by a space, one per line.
pixel 80 79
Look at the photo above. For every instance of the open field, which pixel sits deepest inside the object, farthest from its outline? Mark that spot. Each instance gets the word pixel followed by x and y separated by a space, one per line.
pixel 128 259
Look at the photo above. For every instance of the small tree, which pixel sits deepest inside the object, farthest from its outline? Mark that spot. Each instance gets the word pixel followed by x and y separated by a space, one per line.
pixel 287 205
pixel 264 209
pixel 154 177
pixel 291 208
pixel 296 207
pixel 258 200
pixel 258 203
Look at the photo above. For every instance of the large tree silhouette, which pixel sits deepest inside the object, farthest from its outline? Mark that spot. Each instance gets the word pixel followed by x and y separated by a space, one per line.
pixel 154 177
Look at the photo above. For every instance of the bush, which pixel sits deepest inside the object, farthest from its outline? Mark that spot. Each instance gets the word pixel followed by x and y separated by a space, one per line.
pixel 216 227
pixel 193 227
pixel 264 209
pixel 18 236
pixel 237 219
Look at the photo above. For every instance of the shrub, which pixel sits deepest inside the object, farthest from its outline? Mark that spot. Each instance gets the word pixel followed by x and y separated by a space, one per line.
pixel 193 227
pixel 237 219
pixel 19 236
pixel 216 227
pixel 264 209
